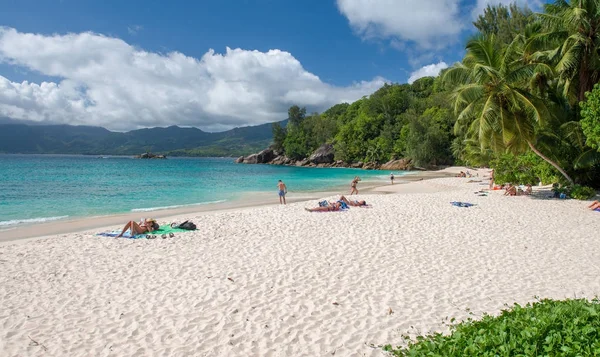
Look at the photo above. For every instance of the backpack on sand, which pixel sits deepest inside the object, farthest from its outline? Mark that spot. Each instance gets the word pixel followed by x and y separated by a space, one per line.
pixel 190 226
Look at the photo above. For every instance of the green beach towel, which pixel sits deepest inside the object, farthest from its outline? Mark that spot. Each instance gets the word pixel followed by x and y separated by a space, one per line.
pixel 166 229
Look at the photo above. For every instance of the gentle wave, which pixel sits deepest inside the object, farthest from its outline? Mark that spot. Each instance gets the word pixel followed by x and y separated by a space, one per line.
pixel 176 206
pixel 30 220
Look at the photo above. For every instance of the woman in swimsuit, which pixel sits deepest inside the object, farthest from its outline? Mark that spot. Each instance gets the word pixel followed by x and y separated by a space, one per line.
pixel 146 226
pixel 353 185
pixel 355 203
pixel 510 190
pixel 336 206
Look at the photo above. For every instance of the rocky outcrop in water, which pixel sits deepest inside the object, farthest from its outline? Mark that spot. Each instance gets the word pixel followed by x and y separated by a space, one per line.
pixel 395 165
pixel 252 159
pixel 267 155
pixel 324 156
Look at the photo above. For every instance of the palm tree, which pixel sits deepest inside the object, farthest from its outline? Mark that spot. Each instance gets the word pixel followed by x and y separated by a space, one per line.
pixel 572 34
pixel 490 99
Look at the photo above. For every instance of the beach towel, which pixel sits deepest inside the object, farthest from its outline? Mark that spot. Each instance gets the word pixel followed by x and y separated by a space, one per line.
pixel 115 233
pixel 461 204
pixel 166 229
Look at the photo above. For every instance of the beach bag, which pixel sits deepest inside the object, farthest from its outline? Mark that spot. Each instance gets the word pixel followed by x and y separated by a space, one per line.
pixel 190 226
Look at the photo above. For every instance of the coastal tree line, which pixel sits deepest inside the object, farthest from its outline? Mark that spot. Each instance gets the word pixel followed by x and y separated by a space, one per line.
pixel 525 100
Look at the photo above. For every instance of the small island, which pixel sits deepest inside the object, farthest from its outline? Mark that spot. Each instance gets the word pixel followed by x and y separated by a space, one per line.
pixel 149 155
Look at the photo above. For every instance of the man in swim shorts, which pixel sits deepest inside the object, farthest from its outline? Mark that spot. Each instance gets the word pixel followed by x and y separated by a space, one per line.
pixel 282 191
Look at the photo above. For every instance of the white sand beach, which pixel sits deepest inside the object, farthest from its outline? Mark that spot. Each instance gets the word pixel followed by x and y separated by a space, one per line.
pixel 279 281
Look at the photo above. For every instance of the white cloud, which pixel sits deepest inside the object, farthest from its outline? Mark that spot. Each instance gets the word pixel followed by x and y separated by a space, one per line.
pixel 431 70
pixel 426 23
pixel 107 82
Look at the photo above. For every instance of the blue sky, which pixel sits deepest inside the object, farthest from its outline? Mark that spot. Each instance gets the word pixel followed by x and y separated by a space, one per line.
pixel 131 64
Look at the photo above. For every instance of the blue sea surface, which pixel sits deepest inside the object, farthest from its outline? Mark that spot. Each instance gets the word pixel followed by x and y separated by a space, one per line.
pixel 38 188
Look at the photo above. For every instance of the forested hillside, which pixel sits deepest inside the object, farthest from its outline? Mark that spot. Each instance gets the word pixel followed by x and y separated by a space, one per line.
pixel 514 103
pixel 68 139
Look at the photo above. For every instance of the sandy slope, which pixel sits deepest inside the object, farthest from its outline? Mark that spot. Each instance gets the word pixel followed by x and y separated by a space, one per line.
pixel 280 281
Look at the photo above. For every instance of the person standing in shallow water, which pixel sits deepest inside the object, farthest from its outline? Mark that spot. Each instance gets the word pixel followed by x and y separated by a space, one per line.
pixel 282 191
pixel 392 177
pixel 353 185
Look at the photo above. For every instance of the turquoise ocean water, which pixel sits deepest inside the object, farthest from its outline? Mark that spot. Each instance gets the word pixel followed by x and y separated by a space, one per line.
pixel 38 188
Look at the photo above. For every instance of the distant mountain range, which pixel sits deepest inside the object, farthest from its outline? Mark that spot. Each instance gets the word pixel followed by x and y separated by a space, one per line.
pixel 34 138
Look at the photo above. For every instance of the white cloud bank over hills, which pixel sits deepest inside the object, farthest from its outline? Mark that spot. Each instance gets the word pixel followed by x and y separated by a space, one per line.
pixel 107 82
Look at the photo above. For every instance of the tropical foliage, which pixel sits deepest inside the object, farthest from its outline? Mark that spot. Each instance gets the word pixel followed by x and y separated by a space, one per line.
pixel 590 122
pixel 544 328
pixel 408 120
pixel 518 94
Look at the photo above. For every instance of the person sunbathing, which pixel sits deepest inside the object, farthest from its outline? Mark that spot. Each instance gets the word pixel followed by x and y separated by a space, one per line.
pixel 146 226
pixel 335 206
pixel 355 203
pixel 511 190
pixel 594 205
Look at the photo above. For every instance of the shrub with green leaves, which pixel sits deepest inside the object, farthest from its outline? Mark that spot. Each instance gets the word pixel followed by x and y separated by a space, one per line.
pixel 590 117
pixel 523 169
pixel 581 192
pixel 544 328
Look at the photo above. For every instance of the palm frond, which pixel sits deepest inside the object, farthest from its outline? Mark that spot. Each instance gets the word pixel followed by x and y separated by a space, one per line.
pixel 587 159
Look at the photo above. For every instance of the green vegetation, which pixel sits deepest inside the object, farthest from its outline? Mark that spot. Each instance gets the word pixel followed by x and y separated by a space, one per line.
pixel 581 192
pixel 545 328
pixel 524 169
pixel 516 102
pixel 408 120
pixel 576 191
pixel 590 117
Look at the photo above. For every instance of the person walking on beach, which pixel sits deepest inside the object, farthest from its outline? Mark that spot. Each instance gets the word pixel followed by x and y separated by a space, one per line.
pixel 282 191
pixel 392 177
pixel 353 184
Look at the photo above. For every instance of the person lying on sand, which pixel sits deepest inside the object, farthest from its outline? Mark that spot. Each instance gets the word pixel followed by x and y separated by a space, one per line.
pixel 335 206
pixel 355 203
pixel 594 205
pixel 510 191
pixel 146 226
